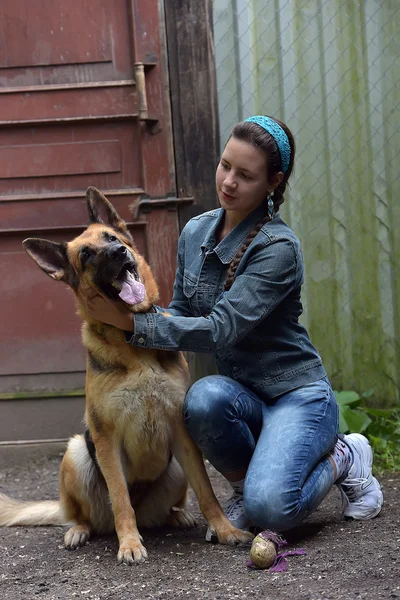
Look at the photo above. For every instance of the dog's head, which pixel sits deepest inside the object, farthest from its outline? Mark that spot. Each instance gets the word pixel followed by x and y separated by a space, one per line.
pixel 103 257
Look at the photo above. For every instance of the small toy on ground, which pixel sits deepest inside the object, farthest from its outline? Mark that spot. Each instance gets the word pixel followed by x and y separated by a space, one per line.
pixel 264 552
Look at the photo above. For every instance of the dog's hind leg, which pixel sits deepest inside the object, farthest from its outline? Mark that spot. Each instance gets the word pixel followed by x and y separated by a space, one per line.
pixel 165 501
pixel 77 536
pixel 83 495
pixel 180 517
pixel 72 493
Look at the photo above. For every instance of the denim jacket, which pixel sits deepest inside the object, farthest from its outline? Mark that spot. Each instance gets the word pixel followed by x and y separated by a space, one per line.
pixel 253 328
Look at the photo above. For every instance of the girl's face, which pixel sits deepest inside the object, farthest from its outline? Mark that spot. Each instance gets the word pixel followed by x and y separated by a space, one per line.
pixel 242 178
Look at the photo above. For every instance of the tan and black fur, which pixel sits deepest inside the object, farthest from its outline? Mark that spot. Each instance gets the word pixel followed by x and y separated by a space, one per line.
pixel 134 399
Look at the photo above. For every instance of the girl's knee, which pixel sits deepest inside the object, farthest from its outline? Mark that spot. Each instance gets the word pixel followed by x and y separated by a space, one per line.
pixel 207 398
pixel 207 407
pixel 270 509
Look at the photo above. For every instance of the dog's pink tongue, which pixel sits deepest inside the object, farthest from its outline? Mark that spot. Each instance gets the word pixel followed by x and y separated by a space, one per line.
pixel 132 291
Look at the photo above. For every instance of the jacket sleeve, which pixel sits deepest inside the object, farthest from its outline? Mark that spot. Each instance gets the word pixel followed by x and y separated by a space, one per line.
pixel 270 274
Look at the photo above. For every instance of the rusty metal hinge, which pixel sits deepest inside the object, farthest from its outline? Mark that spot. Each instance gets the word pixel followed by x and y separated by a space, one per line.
pixel 148 204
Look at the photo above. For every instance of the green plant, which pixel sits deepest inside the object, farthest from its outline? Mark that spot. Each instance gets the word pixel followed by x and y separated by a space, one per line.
pixel 380 425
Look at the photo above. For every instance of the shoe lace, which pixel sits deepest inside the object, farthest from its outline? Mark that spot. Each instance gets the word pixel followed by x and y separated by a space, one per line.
pixel 353 488
pixel 235 507
pixel 355 481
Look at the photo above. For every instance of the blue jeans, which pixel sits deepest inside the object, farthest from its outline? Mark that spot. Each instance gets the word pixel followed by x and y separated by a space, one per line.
pixel 283 445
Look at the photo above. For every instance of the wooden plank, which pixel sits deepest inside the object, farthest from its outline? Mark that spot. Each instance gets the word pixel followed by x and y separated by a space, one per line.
pixel 69 119
pixel 39 160
pixel 30 89
pixel 155 139
pixel 388 18
pixel 360 223
pixel 312 189
pixel 66 195
pixel 384 119
pixel 46 216
pixel 194 116
pixel 34 419
pixel 60 104
pixel 265 69
pixel 333 341
pixel 121 133
pixel 64 39
pixel 228 65
pixel 193 102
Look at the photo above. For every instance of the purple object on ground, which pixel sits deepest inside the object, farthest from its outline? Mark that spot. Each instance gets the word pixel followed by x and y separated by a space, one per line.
pixel 280 563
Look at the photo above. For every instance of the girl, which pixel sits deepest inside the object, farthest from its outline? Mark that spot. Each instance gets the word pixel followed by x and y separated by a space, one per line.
pixel 269 420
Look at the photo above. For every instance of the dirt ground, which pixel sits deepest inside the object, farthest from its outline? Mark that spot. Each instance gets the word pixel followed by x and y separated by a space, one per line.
pixel 345 560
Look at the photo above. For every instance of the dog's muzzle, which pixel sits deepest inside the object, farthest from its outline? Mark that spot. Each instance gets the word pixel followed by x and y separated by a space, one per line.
pixel 117 268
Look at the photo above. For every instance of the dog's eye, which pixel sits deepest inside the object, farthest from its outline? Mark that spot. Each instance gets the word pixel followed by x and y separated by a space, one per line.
pixel 112 238
pixel 85 255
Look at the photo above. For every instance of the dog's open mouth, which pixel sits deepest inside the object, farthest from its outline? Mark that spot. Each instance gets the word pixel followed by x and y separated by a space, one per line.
pixel 128 285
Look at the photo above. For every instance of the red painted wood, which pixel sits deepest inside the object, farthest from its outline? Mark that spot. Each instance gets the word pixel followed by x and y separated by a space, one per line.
pixel 124 133
pixel 162 234
pixel 69 119
pixel 63 33
pixel 67 104
pixel 55 41
pixel 59 159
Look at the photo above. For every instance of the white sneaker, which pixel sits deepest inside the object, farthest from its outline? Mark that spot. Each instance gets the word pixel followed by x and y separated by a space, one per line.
pixel 235 512
pixel 362 496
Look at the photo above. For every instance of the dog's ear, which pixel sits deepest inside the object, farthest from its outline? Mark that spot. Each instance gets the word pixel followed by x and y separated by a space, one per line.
pixel 51 257
pixel 98 204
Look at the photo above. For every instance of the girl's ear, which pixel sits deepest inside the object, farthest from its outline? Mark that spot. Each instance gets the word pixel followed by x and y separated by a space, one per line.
pixel 276 180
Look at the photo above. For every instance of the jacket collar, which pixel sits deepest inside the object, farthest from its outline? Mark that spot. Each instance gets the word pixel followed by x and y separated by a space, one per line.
pixel 228 247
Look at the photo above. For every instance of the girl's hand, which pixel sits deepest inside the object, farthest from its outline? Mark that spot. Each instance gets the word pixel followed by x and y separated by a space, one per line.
pixel 109 312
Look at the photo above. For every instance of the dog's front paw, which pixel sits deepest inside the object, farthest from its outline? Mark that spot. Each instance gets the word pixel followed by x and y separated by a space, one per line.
pixel 132 552
pixel 232 536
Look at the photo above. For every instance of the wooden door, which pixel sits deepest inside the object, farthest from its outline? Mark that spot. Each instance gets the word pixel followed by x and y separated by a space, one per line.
pixel 83 101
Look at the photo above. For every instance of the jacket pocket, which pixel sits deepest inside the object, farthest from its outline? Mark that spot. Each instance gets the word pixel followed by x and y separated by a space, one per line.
pixel 189 286
pixel 268 359
pixel 269 365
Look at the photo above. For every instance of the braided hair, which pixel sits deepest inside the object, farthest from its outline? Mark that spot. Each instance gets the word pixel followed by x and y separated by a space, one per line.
pixel 260 138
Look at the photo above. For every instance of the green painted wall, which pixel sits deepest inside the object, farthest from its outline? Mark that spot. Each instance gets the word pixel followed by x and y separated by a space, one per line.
pixel 331 70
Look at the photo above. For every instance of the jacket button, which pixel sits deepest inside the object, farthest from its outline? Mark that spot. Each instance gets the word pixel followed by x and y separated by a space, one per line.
pixel 141 340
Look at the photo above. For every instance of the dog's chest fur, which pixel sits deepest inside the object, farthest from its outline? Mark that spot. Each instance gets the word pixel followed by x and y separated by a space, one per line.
pixel 138 395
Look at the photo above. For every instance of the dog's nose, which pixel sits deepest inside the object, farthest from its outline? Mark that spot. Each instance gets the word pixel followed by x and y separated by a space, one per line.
pixel 118 251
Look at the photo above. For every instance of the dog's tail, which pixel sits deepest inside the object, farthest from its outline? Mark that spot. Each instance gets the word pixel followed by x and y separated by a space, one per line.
pixel 13 512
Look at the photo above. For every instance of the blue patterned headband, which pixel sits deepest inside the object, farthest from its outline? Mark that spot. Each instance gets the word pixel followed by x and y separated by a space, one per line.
pixel 279 136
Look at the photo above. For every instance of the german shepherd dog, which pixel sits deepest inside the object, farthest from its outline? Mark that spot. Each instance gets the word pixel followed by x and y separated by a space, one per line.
pixel 132 466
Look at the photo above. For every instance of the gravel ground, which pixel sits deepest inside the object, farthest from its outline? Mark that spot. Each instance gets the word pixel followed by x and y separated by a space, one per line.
pixel 345 560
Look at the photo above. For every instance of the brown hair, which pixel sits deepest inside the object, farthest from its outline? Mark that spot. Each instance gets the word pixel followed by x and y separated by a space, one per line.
pixel 257 136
